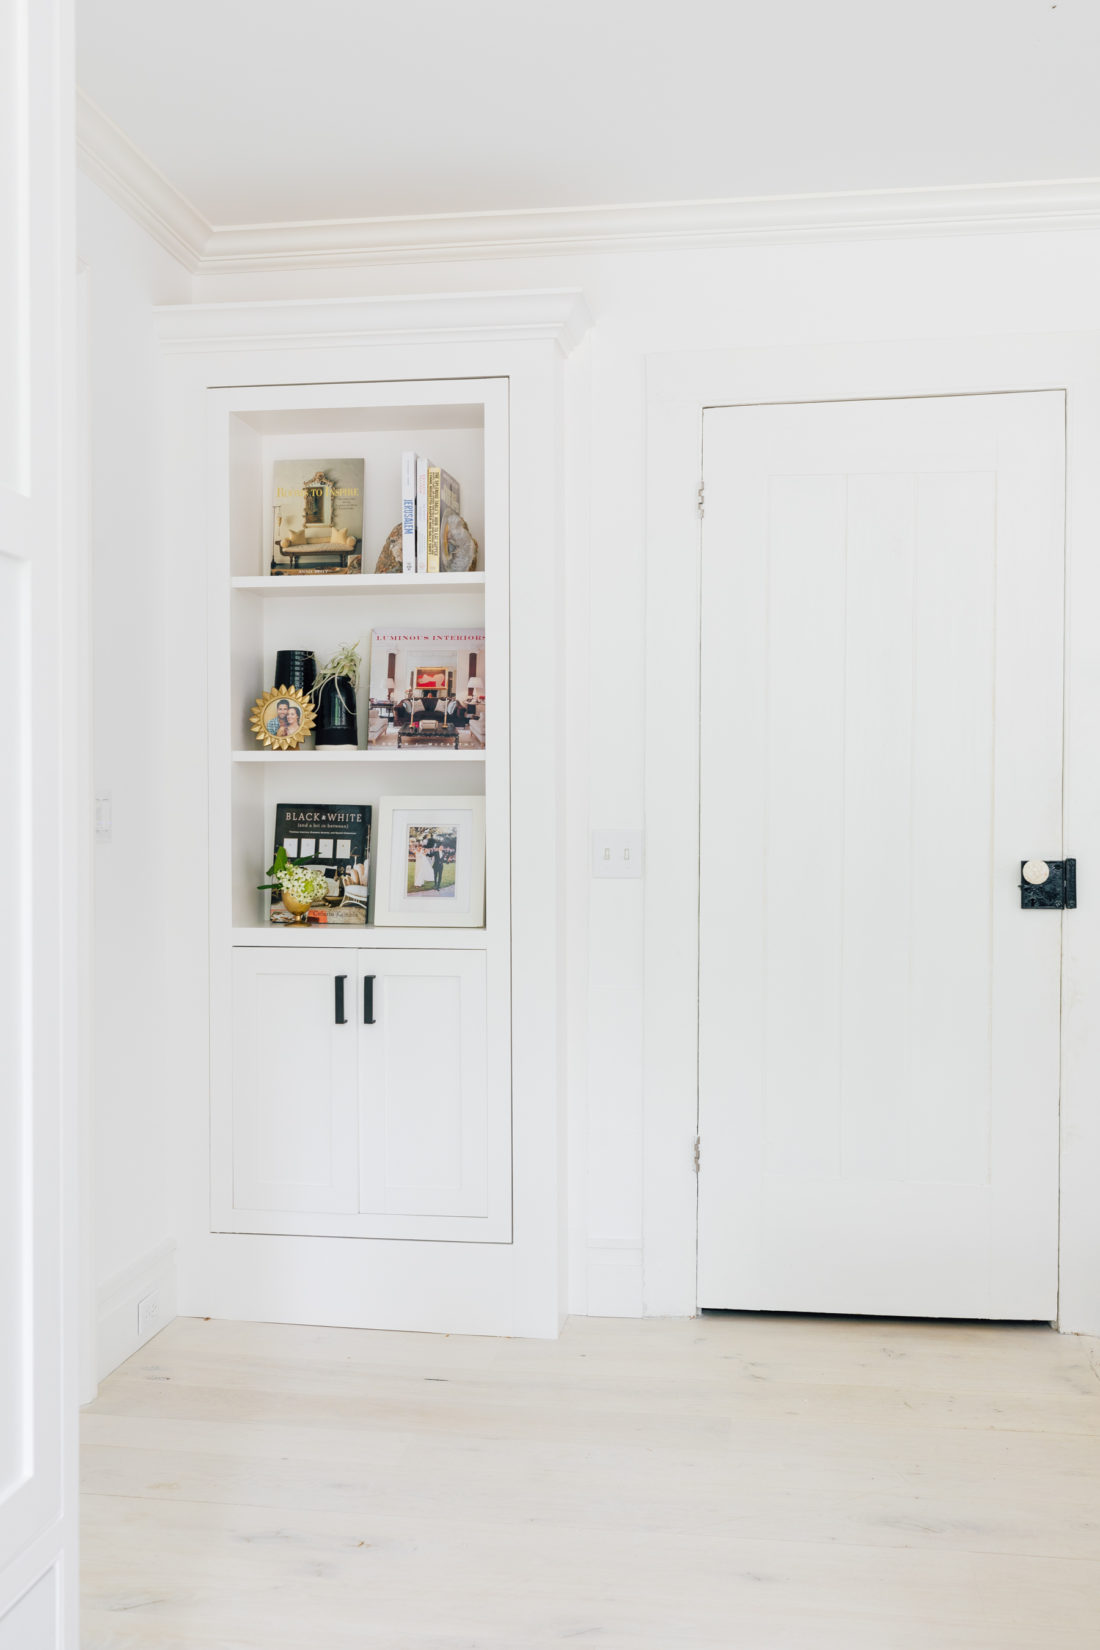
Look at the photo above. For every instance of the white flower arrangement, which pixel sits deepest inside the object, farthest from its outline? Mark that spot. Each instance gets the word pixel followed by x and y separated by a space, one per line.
pixel 304 883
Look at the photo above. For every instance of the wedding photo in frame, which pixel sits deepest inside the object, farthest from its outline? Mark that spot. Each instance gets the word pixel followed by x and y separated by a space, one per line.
pixel 431 862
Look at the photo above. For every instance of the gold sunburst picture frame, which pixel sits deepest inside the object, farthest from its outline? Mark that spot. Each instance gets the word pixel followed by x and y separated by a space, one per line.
pixel 282 717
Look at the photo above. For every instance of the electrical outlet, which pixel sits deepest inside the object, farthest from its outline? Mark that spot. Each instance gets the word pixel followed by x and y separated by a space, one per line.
pixel 149 1314
pixel 616 853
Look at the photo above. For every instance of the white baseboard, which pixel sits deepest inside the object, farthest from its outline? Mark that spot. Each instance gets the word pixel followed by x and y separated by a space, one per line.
pixel 117 1335
pixel 614 1279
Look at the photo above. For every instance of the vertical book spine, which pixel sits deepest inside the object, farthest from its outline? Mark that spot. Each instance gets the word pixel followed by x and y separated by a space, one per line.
pixel 450 497
pixel 408 512
pixel 421 515
pixel 433 520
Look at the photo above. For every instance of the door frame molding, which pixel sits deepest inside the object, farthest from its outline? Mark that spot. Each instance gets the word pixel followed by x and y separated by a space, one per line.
pixel 679 386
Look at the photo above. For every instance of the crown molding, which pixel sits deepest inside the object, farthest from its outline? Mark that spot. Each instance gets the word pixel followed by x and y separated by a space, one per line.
pixel 556 315
pixel 665 226
pixel 107 156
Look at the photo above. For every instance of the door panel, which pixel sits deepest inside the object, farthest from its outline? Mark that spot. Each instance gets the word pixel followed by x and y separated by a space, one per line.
pixel 34 1620
pixel 16 1117
pixel 295 1118
pixel 424 1085
pixel 880 747
pixel 43 695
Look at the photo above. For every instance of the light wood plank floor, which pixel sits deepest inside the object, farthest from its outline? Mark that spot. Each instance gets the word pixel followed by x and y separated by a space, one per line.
pixel 762 1483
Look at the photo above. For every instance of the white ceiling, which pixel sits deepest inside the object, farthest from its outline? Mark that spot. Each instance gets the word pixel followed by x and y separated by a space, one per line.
pixel 265 111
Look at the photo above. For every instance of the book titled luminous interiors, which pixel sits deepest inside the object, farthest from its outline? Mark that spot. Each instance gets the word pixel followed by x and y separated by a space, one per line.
pixel 427 690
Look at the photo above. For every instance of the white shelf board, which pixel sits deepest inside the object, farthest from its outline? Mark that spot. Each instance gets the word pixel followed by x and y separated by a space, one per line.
pixel 343 754
pixel 350 584
pixel 367 938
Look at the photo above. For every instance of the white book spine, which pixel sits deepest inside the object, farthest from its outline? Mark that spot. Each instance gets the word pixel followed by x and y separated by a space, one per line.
pixel 421 515
pixel 408 512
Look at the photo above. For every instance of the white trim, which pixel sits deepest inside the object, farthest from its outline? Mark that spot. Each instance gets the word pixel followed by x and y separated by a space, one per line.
pixel 559 315
pixel 117 1338
pixel 83 795
pixel 613 1278
pixel 679 386
pixel 107 155
pixel 656 226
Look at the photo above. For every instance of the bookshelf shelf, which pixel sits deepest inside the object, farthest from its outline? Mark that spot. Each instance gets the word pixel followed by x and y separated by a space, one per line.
pixel 368 938
pixel 350 584
pixel 396 759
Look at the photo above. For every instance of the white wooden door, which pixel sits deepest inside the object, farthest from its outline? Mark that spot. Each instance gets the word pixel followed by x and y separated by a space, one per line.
pixel 881 745
pixel 42 824
pixel 295 1103
pixel 424 1093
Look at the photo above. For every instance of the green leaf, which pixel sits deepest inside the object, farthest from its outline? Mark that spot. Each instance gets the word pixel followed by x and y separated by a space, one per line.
pixel 280 864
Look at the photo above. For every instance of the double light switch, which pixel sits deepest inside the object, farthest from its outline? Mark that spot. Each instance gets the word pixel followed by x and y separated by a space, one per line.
pixel 616 853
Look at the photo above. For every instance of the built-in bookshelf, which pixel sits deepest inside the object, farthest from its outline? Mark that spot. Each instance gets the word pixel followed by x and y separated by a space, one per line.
pixel 365 1082
pixel 462 425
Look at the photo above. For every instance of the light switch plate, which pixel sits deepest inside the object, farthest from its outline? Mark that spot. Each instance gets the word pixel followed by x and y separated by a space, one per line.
pixel 616 853
pixel 103 820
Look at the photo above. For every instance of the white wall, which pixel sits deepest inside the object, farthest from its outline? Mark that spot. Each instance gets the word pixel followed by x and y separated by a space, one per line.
pixel 646 304
pixel 133 1030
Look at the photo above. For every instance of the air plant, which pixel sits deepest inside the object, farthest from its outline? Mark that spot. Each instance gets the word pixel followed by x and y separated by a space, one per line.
pixel 344 664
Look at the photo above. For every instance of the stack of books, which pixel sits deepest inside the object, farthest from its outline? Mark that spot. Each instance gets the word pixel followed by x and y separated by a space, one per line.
pixel 427 493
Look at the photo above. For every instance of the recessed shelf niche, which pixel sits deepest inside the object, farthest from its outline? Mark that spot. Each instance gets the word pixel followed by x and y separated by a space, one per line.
pixel 326 612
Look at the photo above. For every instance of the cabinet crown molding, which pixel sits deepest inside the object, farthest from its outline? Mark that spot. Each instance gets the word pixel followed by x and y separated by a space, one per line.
pixel 556 315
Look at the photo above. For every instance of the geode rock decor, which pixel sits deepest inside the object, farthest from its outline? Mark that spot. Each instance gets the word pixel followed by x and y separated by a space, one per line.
pixel 457 545
pixel 390 558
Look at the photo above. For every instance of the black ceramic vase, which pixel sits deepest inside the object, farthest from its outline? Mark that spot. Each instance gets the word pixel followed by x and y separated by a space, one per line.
pixel 295 667
pixel 336 721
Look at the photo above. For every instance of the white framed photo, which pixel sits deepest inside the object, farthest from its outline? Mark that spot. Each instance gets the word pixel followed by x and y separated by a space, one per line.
pixel 431 862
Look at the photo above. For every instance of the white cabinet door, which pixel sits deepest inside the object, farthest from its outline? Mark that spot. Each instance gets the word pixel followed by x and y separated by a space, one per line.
pixel 881 746
pixel 423 1085
pixel 295 1123
pixel 394 1123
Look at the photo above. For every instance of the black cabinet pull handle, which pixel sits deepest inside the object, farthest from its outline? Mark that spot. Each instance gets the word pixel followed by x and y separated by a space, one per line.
pixel 368 999
pixel 341 1017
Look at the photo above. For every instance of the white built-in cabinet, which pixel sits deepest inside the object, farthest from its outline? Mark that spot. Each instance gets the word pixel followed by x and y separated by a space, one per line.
pixel 360 1096
pixel 357 1096
pixel 373 1133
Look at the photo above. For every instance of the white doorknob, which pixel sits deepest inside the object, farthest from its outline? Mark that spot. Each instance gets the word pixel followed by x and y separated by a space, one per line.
pixel 1036 871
